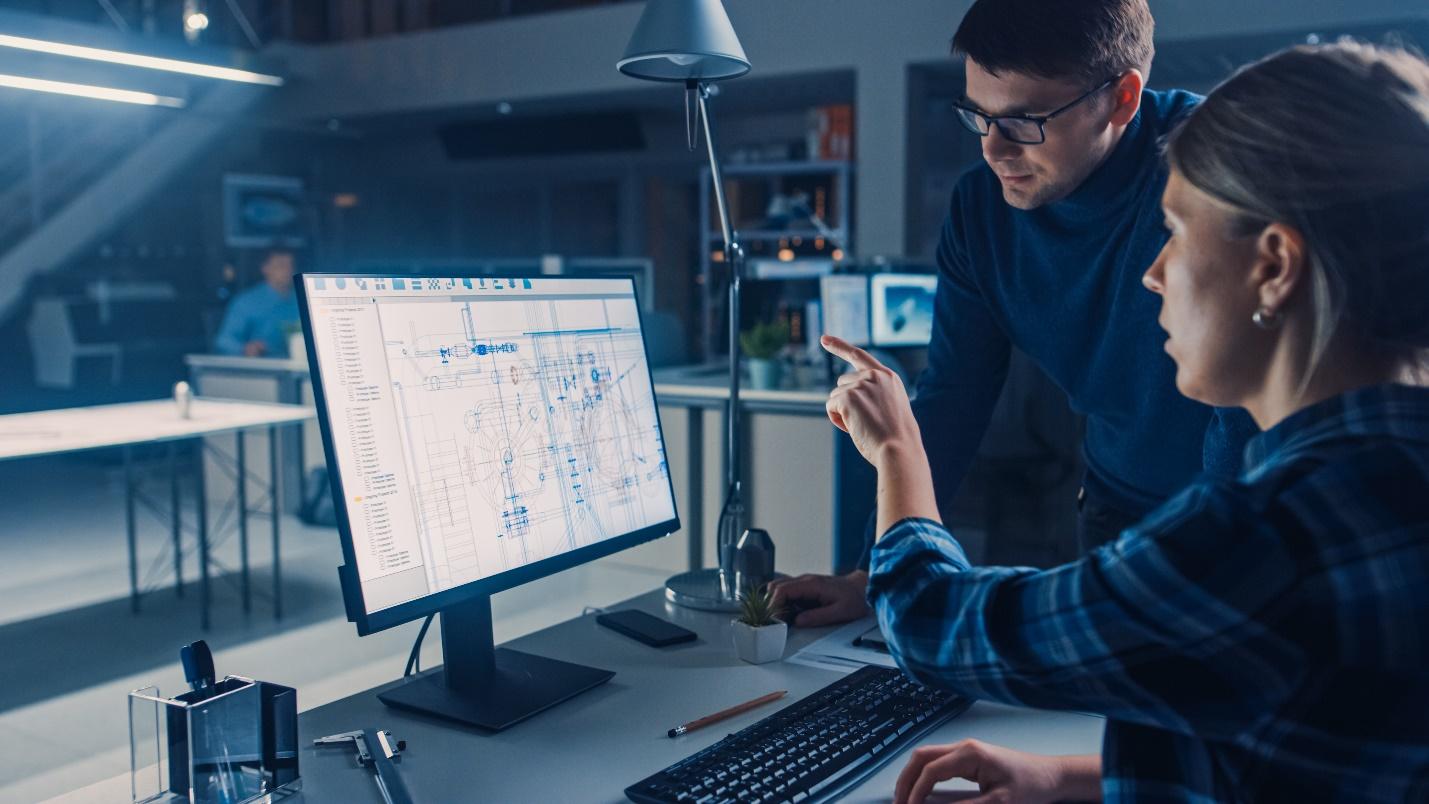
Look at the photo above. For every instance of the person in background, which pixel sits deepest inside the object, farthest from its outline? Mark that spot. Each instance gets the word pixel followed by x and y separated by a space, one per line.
pixel 1043 249
pixel 258 320
pixel 1256 639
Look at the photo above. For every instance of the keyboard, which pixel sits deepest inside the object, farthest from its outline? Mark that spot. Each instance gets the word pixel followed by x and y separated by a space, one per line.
pixel 812 750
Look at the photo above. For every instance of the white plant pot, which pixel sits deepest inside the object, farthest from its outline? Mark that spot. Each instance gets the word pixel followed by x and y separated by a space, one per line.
pixel 759 645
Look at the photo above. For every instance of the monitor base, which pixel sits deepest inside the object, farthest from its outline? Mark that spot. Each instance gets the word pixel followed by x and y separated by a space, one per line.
pixel 522 685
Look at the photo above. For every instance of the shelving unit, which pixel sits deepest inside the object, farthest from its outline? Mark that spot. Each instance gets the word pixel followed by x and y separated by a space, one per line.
pixel 749 188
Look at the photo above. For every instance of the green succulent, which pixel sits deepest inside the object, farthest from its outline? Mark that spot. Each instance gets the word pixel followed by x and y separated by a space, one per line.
pixel 763 341
pixel 757 607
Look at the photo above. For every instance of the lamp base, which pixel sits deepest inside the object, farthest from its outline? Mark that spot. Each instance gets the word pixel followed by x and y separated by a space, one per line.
pixel 699 589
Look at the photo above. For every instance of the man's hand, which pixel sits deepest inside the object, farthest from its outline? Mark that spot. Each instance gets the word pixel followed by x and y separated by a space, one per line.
pixel 1002 775
pixel 836 598
pixel 255 349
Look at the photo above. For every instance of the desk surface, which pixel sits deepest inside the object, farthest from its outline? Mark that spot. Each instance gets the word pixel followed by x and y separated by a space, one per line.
pixel 49 432
pixel 590 747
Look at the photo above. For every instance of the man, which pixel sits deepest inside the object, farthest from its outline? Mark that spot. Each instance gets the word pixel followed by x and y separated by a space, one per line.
pixel 1043 249
pixel 258 319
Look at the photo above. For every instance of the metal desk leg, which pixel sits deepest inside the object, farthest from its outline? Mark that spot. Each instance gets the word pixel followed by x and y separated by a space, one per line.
pixel 275 503
pixel 301 461
pixel 695 487
pixel 241 454
pixel 201 498
pixel 176 518
pixel 129 529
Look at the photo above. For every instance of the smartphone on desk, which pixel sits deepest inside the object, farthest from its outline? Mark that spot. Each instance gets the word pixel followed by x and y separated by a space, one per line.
pixel 647 628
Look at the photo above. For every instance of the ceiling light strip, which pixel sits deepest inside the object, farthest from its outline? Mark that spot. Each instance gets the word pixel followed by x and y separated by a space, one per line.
pixel 136 60
pixel 89 91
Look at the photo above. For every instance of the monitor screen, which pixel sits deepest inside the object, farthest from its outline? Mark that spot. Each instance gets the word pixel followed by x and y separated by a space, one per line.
pixel 844 299
pixel 483 431
pixel 902 309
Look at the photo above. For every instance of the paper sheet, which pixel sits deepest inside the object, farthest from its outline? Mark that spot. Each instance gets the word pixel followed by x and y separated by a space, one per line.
pixel 836 650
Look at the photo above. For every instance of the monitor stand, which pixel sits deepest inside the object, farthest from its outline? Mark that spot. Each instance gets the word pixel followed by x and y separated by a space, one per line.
pixel 482 685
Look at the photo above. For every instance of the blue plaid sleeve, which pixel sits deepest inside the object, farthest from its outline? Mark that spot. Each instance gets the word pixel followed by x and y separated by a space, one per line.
pixel 1161 627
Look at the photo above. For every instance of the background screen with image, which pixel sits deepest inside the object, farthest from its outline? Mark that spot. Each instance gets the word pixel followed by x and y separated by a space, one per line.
pixel 902 309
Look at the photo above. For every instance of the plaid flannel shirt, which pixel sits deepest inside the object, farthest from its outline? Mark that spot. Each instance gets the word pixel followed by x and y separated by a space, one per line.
pixel 1266 639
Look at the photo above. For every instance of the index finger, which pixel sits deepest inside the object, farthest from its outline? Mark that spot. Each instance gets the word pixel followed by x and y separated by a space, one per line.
pixel 838 347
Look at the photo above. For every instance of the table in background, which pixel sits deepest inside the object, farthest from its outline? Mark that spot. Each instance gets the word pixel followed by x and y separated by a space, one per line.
pixel 133 424
pixel 849 499
pixel 266 379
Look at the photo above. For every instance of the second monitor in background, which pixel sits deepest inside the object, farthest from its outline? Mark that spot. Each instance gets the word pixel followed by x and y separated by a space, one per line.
pixel 901 309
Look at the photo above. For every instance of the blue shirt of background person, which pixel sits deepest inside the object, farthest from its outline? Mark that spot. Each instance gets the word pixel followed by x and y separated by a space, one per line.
pixel 259 319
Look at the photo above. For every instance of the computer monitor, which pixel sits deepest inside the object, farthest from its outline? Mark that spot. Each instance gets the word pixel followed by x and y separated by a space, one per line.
pixel 901 307
pixel 844 302
pixel 481 433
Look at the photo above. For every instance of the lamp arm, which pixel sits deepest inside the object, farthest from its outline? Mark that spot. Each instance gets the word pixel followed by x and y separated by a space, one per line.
pixel 716 175
pixel 732 512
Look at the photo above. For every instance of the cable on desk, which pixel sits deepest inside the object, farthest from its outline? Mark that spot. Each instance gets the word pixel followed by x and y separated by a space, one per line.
pixel 414 659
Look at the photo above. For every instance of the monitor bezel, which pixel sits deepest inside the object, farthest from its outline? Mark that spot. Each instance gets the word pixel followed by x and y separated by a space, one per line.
pixel 372 622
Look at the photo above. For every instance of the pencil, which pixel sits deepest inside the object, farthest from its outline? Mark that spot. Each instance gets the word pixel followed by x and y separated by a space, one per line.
pixel 725 713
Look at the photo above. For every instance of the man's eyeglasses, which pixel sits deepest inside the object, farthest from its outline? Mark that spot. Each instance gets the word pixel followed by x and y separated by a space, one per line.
pixel 1027 129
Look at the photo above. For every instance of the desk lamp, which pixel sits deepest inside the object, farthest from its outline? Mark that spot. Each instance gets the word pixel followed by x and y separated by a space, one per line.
pixel 691 42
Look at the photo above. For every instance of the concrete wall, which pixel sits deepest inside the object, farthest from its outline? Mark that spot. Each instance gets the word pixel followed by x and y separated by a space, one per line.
pixel 573 54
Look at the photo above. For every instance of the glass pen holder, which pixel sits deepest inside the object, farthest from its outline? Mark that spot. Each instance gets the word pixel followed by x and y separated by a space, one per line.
pixel 234 742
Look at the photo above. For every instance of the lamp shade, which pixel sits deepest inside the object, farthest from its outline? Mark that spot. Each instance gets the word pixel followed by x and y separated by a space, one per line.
pixel 684 40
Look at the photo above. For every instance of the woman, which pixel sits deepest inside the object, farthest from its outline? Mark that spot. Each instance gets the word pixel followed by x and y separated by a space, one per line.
pixel 1263 639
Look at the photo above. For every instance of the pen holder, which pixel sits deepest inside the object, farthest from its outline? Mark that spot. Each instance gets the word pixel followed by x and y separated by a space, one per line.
pixel 234 742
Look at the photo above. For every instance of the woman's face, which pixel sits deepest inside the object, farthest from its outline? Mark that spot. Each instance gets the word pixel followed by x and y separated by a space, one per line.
pixel 1204 278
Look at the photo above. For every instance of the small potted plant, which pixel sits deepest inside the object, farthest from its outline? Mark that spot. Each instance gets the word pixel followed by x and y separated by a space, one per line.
pixel 759 634
pixel 761 344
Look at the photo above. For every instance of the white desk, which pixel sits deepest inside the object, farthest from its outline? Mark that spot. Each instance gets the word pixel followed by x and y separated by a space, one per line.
pixel 53 432
pixel 589 748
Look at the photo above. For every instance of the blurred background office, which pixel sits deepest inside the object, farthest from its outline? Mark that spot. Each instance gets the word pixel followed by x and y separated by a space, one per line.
pixel 151 220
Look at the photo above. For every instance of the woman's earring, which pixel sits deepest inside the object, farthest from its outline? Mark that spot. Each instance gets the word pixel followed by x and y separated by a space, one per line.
pixel 1266 318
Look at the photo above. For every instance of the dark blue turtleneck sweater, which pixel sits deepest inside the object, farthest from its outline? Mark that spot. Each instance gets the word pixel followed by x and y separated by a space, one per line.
pixel 1063 284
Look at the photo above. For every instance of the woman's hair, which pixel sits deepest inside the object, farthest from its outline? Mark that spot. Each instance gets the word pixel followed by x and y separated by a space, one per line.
pixel 1332 140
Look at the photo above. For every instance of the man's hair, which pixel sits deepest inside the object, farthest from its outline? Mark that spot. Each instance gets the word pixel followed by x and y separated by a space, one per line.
pixel 1085 40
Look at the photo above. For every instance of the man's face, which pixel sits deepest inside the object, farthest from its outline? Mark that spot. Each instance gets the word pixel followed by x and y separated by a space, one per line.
pixel 1077 140
pixel 278 271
